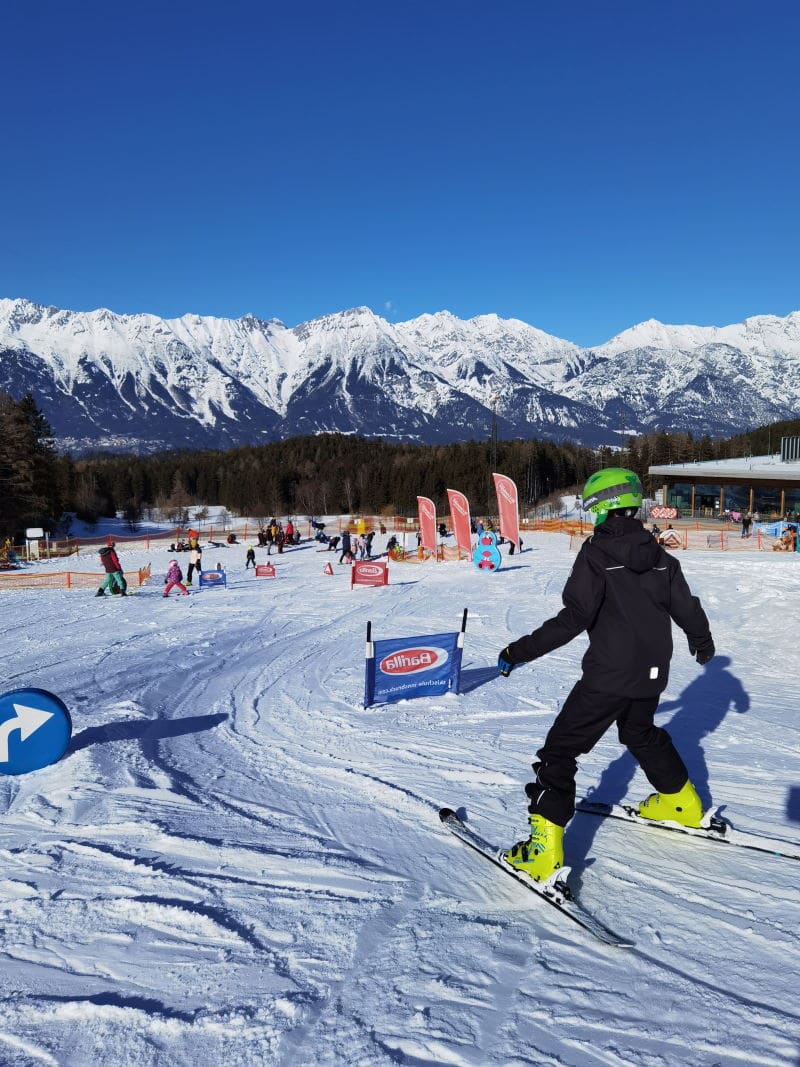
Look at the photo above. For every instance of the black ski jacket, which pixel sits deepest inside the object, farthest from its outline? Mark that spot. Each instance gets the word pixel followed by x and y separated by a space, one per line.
pixel 624 589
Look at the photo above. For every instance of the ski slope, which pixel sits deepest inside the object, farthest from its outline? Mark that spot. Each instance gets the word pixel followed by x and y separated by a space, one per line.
pixel 236 863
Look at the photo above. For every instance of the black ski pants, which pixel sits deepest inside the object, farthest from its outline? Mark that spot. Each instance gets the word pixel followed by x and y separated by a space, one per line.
pixel 584 718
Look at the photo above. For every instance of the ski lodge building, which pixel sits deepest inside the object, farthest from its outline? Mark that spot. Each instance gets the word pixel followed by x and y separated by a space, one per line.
pixel 765 485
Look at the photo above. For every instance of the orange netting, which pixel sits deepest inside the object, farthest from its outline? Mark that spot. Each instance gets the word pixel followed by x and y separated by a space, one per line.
pixel 67 579
pixel 713 539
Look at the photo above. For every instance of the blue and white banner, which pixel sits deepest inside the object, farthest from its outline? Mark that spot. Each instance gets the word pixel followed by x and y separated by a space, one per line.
pixel 209 579
pixel 412 667
pixel 771 529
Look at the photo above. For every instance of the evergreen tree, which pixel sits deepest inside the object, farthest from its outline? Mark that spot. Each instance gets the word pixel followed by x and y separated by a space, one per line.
pixel 29 487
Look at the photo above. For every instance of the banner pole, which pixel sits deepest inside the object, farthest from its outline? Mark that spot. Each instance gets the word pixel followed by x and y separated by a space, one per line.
pixel 369 668
pixel 459 652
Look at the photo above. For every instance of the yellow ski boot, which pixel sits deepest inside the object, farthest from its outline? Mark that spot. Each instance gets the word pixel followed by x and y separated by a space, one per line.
pixel 683 807
pixel 542 853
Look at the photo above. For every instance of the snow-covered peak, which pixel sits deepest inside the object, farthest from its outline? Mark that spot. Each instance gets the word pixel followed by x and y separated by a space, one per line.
pixel 487 346
pixel 655 334
pixel 430 378
pixel 758 334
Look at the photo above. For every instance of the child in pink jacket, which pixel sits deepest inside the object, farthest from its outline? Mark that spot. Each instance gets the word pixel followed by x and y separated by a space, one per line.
pixel 174 578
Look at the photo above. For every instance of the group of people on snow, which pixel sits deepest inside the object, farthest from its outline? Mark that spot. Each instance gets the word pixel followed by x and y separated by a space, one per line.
pixel 355 546
pixel 275 533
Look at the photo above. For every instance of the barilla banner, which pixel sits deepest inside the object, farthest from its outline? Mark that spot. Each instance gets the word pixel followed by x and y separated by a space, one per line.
pixel 427 522
pixel 459 513
pixel 402 668
pixel 367 572
pixel 265 570
pixel 507 507
pixel 208 579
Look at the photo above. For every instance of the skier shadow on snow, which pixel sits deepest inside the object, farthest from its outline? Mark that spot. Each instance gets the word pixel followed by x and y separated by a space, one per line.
pixel 699 710
pixel 475 678
pixel 143 730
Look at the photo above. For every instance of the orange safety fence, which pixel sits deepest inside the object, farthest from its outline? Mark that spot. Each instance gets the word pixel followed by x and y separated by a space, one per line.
pixel 725 539
pixel 67 579
pixel 451 553
pixel 444 554
pixel 245 530
pixel 416 555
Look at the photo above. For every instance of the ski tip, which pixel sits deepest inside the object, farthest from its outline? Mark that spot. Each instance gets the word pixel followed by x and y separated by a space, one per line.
pixel 447 813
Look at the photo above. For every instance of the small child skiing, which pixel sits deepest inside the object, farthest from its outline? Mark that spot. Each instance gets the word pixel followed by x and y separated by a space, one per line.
pixel 174 579
pixel 115 579
pixel 625 590
pixel 250 557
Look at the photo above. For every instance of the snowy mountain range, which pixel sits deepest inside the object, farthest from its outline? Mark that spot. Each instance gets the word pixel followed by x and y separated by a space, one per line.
pixel 142 383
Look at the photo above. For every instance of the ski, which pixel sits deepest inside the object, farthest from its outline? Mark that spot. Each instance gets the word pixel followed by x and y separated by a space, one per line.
pixel 554 891
pixel 713 828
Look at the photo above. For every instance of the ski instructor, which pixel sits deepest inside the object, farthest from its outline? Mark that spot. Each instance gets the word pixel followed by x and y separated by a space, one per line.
pixel 624 590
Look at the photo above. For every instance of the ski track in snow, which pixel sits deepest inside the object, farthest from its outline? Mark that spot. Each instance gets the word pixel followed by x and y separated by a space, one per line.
pixel 236 863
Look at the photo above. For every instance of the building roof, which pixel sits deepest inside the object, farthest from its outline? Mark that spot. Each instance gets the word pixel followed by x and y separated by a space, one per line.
pixel 769 469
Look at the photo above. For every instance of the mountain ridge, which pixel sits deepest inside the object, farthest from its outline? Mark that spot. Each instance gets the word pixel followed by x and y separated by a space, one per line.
pixel 143 383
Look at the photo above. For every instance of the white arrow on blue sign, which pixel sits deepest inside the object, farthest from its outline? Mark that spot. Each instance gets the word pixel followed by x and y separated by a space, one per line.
pixel 35 728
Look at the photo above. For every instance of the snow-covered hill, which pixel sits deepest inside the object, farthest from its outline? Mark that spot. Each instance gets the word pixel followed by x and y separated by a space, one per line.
pixel 145 383
pixel 235 863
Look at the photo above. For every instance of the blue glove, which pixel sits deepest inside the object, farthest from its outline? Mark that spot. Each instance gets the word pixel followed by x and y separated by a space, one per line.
pixel 504 664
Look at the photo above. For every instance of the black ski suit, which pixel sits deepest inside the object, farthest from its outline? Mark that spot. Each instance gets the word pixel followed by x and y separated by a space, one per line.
pixel 625 590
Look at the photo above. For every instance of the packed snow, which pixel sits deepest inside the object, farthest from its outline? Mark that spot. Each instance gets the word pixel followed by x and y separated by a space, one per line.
pixel 236 863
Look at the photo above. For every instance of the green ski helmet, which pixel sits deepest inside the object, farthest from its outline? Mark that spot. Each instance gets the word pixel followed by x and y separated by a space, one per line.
pixel 611 488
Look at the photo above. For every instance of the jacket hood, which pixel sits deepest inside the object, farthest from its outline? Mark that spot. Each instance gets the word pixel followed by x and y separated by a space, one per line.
pixel 627 542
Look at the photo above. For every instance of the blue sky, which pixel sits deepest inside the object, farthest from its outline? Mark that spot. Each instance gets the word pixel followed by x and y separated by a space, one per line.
pixel 582 166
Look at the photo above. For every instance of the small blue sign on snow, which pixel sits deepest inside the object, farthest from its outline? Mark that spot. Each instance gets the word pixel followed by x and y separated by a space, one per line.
pixel 35 728
pixel 405 667
pixel 208 579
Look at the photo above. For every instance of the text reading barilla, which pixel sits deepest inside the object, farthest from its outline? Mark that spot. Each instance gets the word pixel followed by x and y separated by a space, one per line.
pixel 411 660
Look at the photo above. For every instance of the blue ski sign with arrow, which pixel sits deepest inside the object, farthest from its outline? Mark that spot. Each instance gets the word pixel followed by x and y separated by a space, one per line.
pixel 35 729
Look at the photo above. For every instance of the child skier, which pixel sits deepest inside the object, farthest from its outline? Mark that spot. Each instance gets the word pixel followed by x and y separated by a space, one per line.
pixel 250 557
pixel 115 579
pixel 174 578
pixel 623 589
